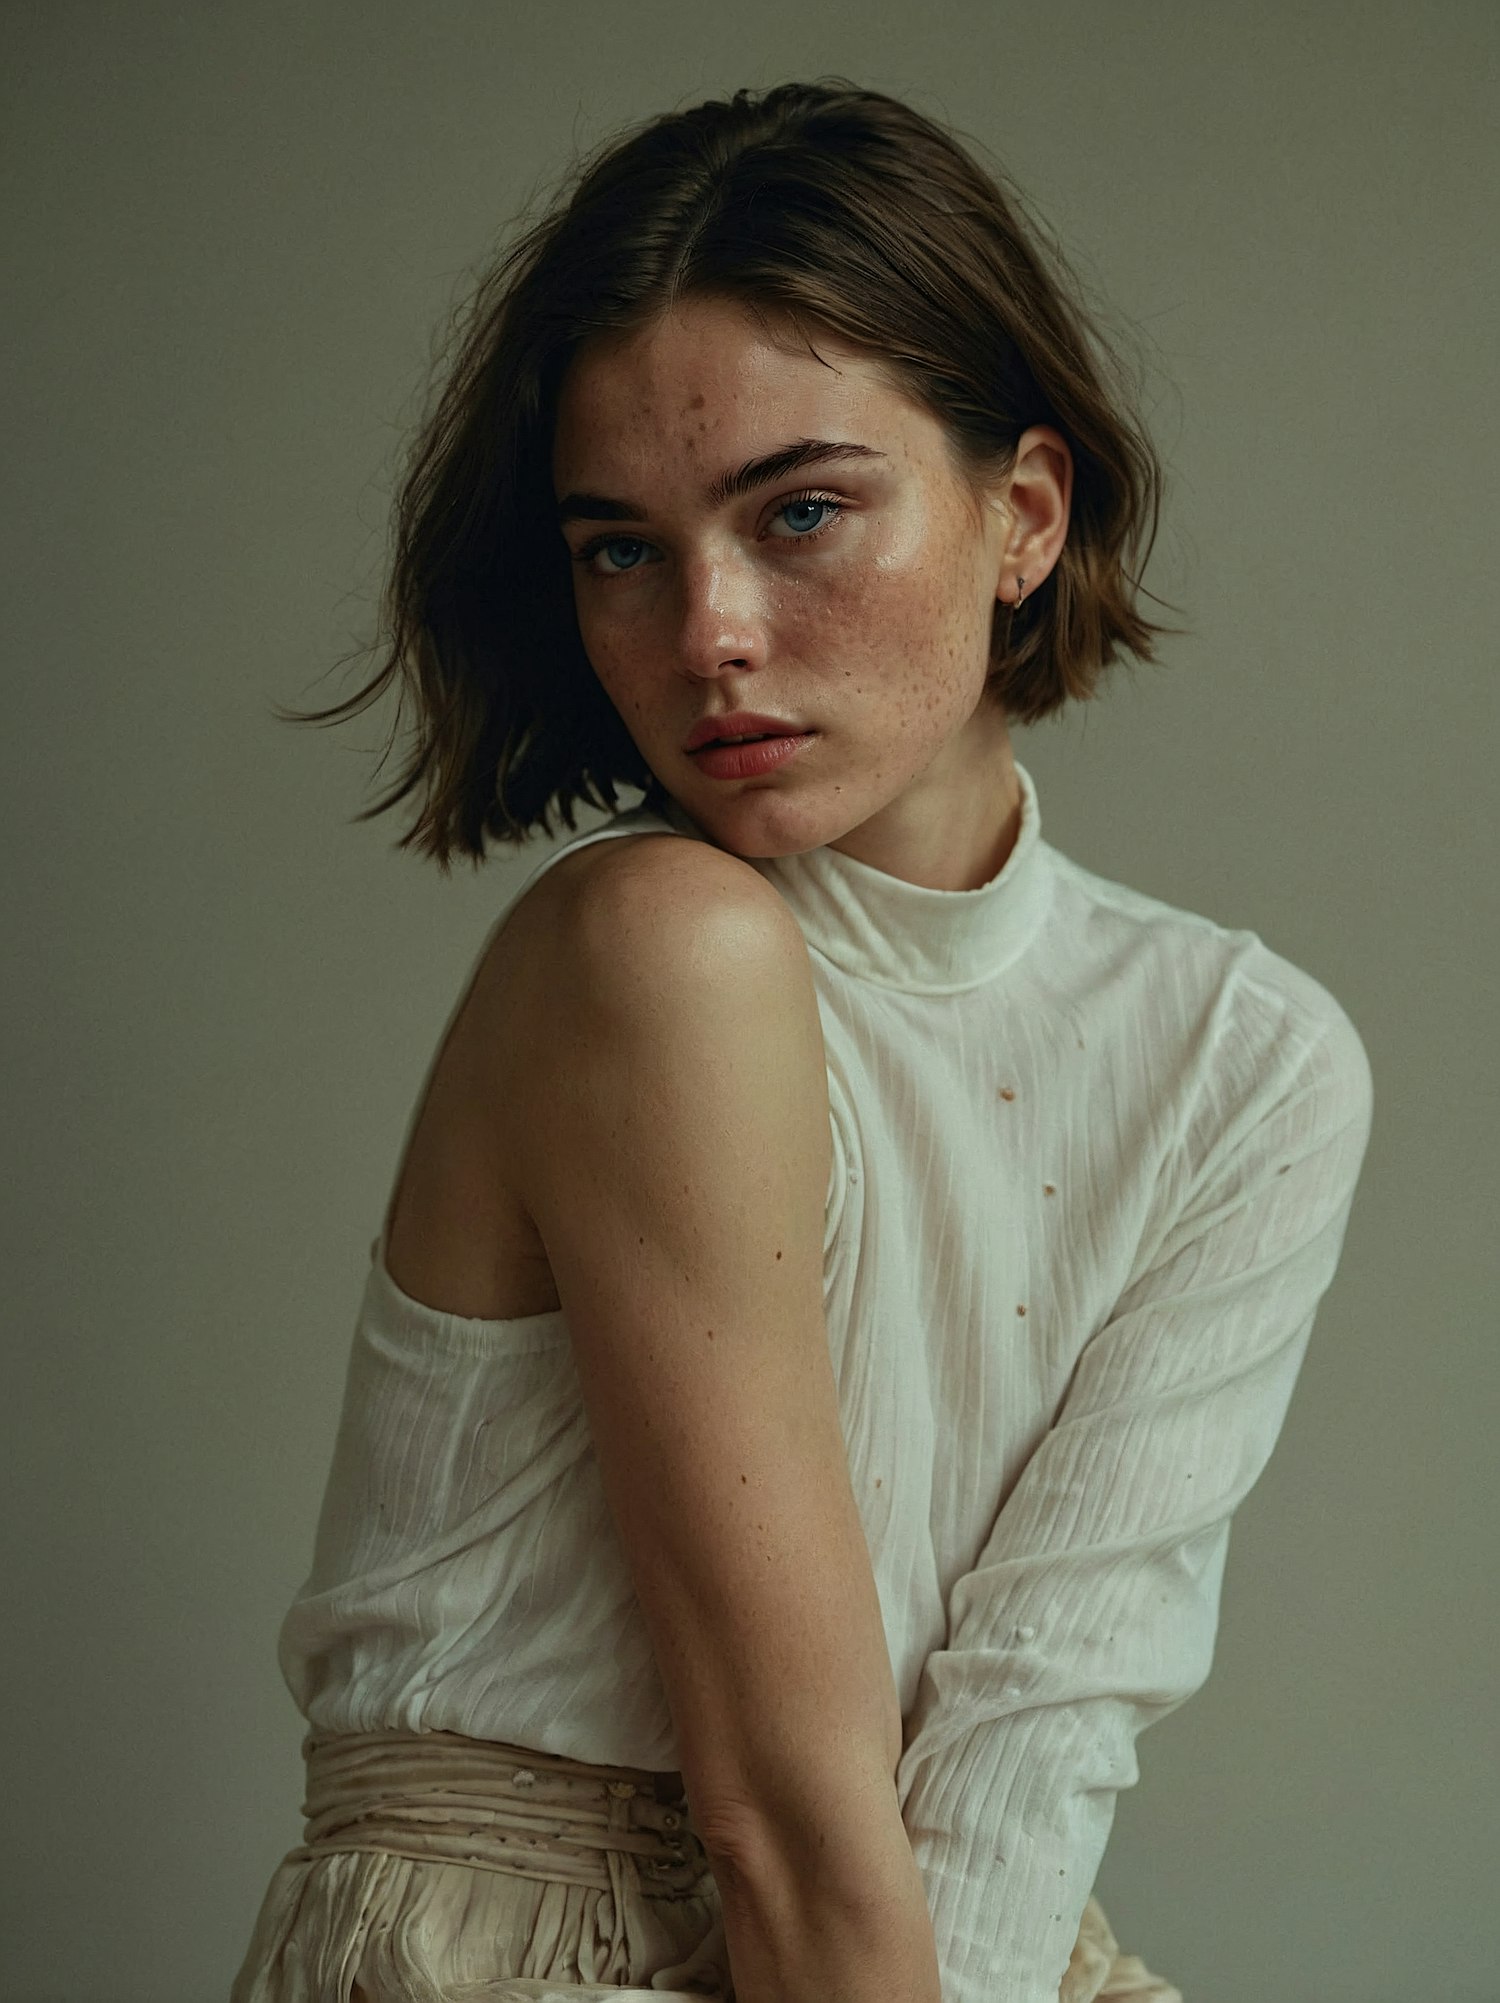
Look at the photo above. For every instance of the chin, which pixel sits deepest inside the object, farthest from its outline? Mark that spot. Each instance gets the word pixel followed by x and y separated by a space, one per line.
pixel 763 822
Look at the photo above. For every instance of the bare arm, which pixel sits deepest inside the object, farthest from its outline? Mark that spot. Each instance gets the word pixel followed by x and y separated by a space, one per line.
pixel 670 1115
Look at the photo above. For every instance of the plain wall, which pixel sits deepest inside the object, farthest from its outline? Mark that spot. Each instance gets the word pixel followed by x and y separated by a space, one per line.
pixel 231 236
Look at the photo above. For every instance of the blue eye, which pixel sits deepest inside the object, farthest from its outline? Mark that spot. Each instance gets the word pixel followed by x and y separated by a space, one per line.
pixel 610 542
pixel 807 501
pixel 831 510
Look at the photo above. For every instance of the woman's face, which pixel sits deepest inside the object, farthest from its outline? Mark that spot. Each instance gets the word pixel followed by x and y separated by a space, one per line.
pixel 851 598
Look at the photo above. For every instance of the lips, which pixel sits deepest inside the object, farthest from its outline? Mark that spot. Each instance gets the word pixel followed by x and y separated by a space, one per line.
pixel 740 723
pixel 768 753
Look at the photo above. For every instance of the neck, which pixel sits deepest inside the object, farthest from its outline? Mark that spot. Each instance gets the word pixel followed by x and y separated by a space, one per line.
pixel 955 825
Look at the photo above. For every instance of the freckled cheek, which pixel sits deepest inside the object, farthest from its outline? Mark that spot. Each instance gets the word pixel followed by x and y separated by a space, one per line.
pixel 617 657
pixel 614 635
pixel 909 611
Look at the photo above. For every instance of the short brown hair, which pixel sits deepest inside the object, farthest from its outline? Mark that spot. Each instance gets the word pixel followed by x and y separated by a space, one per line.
pixel 836 208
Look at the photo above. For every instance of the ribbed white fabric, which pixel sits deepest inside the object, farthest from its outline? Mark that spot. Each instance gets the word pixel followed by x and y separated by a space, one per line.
pixel 1093 1160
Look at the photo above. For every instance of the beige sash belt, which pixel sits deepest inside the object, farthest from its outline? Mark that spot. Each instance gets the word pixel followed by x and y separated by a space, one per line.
pixel 444 1798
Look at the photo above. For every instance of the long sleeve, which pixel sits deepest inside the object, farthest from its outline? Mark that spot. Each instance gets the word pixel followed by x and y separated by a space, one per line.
pixel 1092 1609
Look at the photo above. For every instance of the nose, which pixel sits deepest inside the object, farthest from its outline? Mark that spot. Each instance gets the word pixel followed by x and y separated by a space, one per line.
pixel 721 617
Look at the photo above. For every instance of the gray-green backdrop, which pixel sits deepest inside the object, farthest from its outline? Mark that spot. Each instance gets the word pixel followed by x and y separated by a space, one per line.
pixel 230 236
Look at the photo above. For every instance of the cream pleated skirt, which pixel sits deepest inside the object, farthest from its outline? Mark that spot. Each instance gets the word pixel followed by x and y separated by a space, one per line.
pixel 442 1869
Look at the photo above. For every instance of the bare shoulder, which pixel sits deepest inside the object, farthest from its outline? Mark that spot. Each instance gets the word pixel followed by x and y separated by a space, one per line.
pixel 636 913
pixel 652 866
pixel 649 935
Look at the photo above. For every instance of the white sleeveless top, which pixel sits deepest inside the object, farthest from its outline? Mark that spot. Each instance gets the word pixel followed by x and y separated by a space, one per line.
pixel 1093 1157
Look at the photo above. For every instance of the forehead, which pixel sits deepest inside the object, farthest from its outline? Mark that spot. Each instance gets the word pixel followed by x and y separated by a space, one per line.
pixel 710 380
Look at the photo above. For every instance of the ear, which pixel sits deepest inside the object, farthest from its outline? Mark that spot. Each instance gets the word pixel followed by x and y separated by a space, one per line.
pixel 1035 499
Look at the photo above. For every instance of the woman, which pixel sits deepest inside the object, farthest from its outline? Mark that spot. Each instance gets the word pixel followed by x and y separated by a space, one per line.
pixel 849 1262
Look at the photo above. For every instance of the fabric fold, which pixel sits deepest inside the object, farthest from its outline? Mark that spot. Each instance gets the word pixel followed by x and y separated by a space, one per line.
pixel 436 1867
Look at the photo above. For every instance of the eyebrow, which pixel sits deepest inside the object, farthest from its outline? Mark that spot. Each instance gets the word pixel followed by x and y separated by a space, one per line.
pixel 754 473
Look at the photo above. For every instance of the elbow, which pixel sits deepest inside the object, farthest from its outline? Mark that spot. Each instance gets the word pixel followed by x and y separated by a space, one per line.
pixel 843 1837
pixel 827 1903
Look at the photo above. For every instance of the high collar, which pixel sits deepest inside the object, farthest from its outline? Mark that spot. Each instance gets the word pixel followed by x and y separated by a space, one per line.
pixel 896 934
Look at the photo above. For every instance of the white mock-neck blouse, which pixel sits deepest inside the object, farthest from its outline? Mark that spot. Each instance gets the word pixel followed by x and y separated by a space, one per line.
pixel 1093 1158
